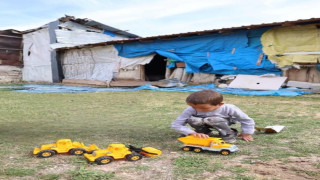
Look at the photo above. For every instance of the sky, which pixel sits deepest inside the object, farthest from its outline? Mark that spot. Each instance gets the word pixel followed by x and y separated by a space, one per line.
pixel 156 17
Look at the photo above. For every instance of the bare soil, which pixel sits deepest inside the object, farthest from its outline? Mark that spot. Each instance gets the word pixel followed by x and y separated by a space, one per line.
pixel 293 168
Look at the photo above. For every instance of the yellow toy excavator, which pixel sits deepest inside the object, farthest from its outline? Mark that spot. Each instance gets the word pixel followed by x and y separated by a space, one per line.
pixel 120 151
pixel 63 146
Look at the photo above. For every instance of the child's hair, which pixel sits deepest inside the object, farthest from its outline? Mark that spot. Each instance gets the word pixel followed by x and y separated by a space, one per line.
pixel 205 97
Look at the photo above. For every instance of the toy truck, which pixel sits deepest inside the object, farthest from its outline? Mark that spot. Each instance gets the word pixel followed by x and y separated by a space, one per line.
pixel 209 144
pixel 120 151
pixel 63 146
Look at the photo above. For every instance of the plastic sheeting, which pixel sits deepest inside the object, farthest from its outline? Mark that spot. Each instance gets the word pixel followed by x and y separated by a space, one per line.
pixel 234 53
pixel 88 63
pixel 240 61
pixel 98 63
pixel 75 38
pixel 36 57
pixel 70 25
pixel 279 41
pixel 131 63
pixel 33 88
pixel 81 34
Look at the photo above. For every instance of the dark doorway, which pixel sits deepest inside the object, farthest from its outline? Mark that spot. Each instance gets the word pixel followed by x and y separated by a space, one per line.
pixel 156 69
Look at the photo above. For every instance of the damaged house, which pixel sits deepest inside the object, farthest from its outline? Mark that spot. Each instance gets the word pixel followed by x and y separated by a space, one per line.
pixel 42 64
pixel 289 48
pixel 83 51
pixel 295 49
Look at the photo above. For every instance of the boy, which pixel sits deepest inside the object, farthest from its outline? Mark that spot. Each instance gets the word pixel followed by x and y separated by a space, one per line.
pixel 207 111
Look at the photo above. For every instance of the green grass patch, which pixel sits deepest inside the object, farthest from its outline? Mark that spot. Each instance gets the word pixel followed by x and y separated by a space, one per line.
pixel 238 170
pixel 85 174
pixel 244 178
pixel 142 118
pixel 192 161
pixel 49 177
pixel 20 172
pixel 138 167
pixel 78 160
pixel 195 165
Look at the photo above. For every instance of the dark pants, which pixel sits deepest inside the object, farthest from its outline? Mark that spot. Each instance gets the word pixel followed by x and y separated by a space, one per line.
pixel 205 125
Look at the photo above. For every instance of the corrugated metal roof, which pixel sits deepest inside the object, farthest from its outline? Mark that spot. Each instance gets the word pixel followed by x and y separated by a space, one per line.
pixel 197 33
pixel 92 23
pixel 87 22
pixel 34 29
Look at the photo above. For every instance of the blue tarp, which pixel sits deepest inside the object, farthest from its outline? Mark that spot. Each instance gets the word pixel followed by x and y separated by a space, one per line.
pixel 36 88
pixel 109 33
pixel 233 53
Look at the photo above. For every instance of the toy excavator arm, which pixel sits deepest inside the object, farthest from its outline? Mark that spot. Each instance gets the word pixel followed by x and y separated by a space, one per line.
pixel 141 151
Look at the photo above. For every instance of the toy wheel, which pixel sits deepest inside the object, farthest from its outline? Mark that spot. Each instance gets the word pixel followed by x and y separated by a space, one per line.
pixel 77 151
pixel 104 160
pixel 134 157
pixel 46 153
pixel 225 152
pixel 197 150
pixel 186 148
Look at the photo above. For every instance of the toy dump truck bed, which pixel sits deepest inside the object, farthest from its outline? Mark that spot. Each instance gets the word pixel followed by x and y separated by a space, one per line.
pixel 209 144
pixel 190 140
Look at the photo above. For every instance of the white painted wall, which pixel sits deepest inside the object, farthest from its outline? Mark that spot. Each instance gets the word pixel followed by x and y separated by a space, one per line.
pixel 36 57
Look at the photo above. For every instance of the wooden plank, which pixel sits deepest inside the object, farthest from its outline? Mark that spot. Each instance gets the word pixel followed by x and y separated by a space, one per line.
pixel 10 43
pixel 10 62
pixel 84 82
pixel 9 49
pixel 10 56
pixel 259 60
pixel 118 83
pixel 11 36
pixel 128 83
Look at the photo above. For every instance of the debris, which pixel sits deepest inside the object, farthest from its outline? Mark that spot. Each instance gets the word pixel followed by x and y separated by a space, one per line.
pixel 228 77
pixel 315 86
pixel 222 85
pixel 303 85
pixel 271 129
pixel 167 83
pixel 299 84
pixel 254 82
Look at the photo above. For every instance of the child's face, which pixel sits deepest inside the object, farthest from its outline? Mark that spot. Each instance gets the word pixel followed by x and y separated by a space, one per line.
pixel 205 107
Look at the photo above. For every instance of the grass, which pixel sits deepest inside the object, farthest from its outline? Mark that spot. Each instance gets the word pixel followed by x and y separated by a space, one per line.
pixel 192 165
pixel 85 174
pixel 20 172
pixel 142 118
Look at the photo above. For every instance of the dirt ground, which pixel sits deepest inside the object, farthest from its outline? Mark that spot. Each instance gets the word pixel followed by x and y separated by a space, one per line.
pixel 292 168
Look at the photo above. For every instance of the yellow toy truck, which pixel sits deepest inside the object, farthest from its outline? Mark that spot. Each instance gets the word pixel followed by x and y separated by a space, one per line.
pixel 209 144
pixel 120 151
pixel 63 146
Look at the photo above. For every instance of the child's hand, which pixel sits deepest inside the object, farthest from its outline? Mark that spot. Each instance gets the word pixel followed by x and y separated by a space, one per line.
pixel 199 135
pixel 246 137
